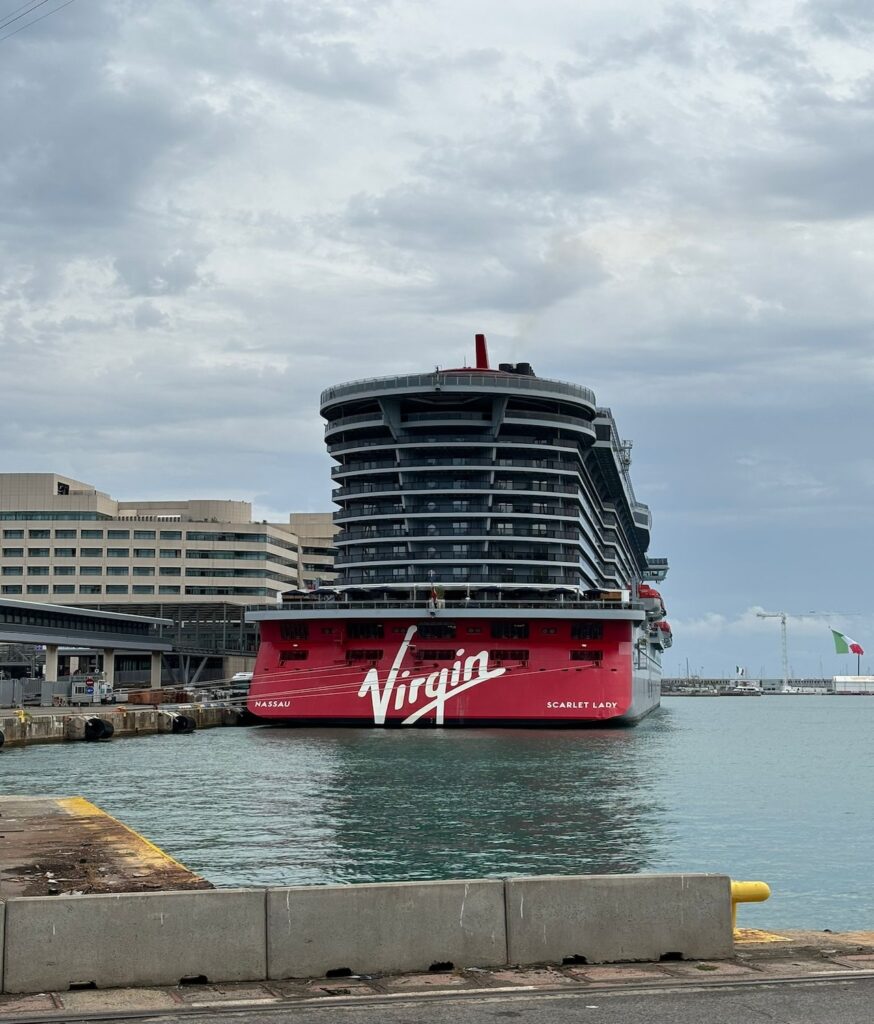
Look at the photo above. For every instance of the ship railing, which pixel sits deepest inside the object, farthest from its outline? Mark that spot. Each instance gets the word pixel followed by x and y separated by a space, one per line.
pixel 360 417
pixel 391 486
pixel 457 556
pixel 421 533
pixel 490 381
pixel 549 417
pixel 309 604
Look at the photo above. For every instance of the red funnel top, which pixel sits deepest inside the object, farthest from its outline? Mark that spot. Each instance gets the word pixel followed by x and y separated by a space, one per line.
pixel 482 353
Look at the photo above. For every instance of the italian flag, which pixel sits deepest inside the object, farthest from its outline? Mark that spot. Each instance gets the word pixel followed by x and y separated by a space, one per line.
pixel 845 644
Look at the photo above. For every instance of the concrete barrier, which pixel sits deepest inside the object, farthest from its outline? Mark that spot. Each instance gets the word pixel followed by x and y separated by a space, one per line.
pixel 609 918
pixel 53 942
pixel 395 926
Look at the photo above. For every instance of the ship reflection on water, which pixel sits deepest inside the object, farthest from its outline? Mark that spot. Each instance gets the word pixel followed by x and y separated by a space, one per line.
pixel 454 804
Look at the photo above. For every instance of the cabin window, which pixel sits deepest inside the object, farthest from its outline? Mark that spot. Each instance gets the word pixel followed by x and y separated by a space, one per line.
pixel 437 630
pixel 293 656
pixel 364 655
pixel 294 631
pixel 510 630
pixel 587 630
pixel 365 631
pixel 509 655
pixel 587 655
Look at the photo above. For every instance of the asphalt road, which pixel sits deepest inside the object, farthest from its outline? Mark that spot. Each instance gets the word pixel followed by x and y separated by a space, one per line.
pixel 838 1001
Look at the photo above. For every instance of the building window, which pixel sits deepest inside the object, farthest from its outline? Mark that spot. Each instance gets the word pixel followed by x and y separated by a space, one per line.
pixel 65 552
pixel 90 588
pixel 13 552
pixel 144 534
pixel 39 534
pixel 65 534
pixel 118 534
pixel 90 552
pixel 170 553
pixel 90 570
pixel 65 570
pixel 144 552
pixel 116 588
pixel 144 570
pixel 92 535
pixel 168 590
pixel 139 588
pixel 37 588
pixel 171 570
pixel 117 570
pixel 37 552
pixel 118 552
pixel 64 588
pixel 13 534
pixel 10 590
pixel 12 570
pixel 37 570
pixel 171 535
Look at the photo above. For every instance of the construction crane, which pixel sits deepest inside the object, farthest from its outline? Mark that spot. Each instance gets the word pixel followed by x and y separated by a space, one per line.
pixel 782 617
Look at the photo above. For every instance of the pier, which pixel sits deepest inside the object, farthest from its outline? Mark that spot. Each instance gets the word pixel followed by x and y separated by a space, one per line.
pixel 52 846
pixel 26 726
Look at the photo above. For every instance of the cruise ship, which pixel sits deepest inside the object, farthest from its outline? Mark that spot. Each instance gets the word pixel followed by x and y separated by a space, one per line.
pixel 492 565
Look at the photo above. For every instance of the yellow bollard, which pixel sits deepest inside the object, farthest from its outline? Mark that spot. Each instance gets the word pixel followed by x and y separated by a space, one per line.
pixel 747 892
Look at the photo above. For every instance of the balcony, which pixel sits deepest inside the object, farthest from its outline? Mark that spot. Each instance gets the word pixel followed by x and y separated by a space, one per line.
pixel 456 557
pixel 416 531
pixel 359 420
pixel 572 422
pixel 507 578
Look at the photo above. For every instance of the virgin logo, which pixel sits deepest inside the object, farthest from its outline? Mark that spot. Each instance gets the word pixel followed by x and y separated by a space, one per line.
pixel 400 692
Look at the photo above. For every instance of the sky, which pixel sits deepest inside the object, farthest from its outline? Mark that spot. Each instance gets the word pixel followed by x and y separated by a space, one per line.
pixel 211 211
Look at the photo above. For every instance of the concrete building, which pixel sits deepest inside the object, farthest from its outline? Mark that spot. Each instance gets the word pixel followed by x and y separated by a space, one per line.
pixel 197 562
pixel 315 532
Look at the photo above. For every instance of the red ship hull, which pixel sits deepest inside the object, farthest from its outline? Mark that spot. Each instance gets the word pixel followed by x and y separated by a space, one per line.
pixel 402 672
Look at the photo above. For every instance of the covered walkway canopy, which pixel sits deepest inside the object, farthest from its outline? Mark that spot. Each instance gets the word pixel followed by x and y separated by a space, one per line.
pixel 51 625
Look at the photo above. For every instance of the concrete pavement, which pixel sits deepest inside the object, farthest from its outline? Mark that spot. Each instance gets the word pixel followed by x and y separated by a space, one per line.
pixel 796 978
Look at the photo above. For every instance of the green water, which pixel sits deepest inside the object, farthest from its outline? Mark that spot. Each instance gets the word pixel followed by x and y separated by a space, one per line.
pixel 773 788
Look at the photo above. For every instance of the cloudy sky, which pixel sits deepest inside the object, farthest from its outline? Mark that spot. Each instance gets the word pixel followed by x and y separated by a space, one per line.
pixel 212 210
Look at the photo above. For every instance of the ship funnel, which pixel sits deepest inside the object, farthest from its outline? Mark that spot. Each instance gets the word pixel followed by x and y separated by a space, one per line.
pixel 482 353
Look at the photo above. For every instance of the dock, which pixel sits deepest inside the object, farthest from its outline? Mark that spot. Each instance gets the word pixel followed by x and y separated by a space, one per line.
pixel 25 726
pixel 52 846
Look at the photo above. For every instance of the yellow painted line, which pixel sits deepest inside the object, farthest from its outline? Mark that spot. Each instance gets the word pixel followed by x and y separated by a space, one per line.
pixel 757 935
pixel 78 806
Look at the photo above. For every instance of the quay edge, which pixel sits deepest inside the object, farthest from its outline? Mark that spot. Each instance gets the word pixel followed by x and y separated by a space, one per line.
pixel 22 728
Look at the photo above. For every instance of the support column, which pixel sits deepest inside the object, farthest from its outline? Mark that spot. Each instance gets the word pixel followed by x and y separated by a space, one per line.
pixel 155 670
pixel 51 673
pixel 109 665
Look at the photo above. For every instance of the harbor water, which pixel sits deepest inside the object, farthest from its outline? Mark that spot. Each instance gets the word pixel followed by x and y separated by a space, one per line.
pixel 773 788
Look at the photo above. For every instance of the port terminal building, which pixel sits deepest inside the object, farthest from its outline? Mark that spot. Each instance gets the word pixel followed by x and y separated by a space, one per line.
pixel 196 563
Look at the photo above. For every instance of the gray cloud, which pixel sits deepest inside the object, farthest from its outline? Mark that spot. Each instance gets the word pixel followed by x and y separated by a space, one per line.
pixel 210 212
